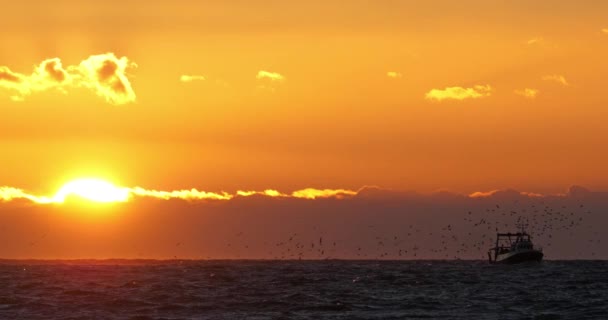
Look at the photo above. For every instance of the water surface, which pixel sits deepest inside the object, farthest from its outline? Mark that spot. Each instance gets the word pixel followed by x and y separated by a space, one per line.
pixel 302 290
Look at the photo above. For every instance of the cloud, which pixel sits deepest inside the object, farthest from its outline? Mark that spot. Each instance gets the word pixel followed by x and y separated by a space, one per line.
pixel 192 194
pixel 267 192
pixel 503 193
pixel 7 75
pixel 272 76
pixel 605 30
pixel 49 73
pixel 459 93
pixel 394 74
pixel 509 195
pixel 482 194
pixel 104 74
pixel 269 81
pixel 311 193
pixel 527 92
pixel 98 191
pixel 557 78
pixel 12 81
pixel 534 41
pixel 9 194
pixel 532 194
pixel 190 78
pixel 125 194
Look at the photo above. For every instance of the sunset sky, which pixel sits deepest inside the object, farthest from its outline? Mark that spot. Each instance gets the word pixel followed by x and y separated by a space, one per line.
pixel 226 96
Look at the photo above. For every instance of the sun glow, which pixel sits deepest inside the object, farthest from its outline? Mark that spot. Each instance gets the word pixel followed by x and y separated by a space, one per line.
pixel 95 190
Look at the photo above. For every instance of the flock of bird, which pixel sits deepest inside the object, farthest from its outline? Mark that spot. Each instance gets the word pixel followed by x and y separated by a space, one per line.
pixel 469 238
pixel 544 222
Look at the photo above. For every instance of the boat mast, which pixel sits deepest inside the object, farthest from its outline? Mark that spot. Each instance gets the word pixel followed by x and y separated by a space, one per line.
pixel 496 247
pixel 522 225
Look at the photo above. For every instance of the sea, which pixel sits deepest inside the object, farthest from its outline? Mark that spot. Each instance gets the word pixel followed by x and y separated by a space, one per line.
pixel 327 289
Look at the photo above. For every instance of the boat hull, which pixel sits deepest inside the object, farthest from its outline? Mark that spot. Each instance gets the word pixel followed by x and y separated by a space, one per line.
pixel 519 257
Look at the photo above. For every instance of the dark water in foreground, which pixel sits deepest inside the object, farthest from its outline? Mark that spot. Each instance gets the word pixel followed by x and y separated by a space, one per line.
pixel 303 290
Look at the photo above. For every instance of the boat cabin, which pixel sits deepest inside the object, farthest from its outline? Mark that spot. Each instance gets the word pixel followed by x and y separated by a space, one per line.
pixel 510 242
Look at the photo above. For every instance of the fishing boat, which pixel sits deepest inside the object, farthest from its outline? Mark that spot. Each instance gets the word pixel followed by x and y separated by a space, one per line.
pixel 514 248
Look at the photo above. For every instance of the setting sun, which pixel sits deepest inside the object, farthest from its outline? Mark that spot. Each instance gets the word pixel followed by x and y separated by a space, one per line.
pixel 95 190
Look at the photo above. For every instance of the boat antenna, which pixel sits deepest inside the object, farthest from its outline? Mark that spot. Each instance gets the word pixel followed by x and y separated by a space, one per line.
pixel 522 225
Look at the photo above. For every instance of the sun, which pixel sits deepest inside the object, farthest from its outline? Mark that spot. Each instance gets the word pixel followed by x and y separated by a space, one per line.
pixel 92 189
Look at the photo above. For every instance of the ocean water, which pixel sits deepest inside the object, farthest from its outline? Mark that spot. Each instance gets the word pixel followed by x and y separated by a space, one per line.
pixel 303 290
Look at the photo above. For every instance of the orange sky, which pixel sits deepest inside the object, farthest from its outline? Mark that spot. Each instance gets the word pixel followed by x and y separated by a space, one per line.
pixel 327 113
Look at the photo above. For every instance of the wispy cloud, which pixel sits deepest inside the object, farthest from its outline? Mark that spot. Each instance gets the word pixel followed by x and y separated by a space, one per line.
pixel 267 192
pixel 556 78
pixel 104 74
pixel 483 194
pixel 527 92
pixel 459 93
pixel 504 193
pixel 10 193
pixel 269 81
pixel 272 76
pixel 190 78
pixel 394 74
pixel 534 41
pixel 191 194
pixel 605 30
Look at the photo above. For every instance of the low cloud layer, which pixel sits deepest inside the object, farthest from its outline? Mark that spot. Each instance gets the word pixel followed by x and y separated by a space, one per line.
pixel 459 93
pixel 104 74
pixel 101 191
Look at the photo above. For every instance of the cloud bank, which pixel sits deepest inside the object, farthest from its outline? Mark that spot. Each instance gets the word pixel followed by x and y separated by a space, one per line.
pixel 97 190
pixel 459 93
pixel 100 191
pixel 105 74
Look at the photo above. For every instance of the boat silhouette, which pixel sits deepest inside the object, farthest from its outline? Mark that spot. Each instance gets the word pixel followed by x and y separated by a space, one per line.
pixel 514 248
